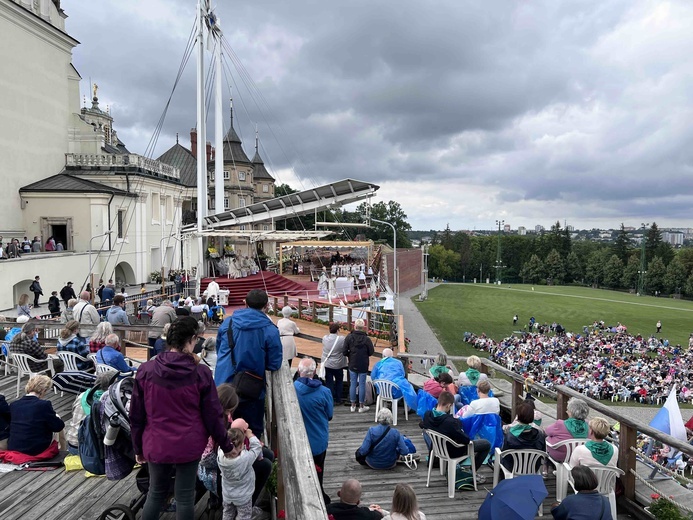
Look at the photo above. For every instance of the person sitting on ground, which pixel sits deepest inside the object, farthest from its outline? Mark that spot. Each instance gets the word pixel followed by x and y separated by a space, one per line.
pixel 33 419
pixel 404 504
pixel 238 478
pixel 441 365
pixel 522 435
pixel 98 340
pixel 386 453
pixel 26 342
pixel 391 369
pixel 586 502
pixel 110 355
pixel 68 313
pixel 575 427
pixel 80 409
pixel 4 422
pixel 348 506
pixel 23 307
pixel 116 315
pixel 485 404
pixel 440 383
pixel 440 420
pixel 71 341
pixel 596 451
pixel 287 330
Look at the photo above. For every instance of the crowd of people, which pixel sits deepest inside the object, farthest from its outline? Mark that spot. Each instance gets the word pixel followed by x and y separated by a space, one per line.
pixel 15 247
pixel 221 414
pixel 604 363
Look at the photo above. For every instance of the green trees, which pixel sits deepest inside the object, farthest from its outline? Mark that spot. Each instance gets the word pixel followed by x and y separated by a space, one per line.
pixel 613 272
pixel 391 212
pixel 442 262
pixel 629 279
pixel 533 270
pixel 654 280
pixel 554 267
pixel 675 277
pixel 623 245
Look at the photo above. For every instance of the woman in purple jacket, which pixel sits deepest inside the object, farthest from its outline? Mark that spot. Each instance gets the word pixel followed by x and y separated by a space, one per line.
pixel 174 410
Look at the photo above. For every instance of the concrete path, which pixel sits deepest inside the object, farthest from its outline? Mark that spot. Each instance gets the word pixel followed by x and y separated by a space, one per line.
pixel 423 339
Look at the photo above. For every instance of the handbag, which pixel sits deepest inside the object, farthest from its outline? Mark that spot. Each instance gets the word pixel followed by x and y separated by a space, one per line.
pixel 321 367
pixel 248 385
pixel 361 458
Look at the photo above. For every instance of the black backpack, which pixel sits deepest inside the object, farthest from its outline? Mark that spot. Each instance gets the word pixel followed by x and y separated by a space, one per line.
pixel 90 437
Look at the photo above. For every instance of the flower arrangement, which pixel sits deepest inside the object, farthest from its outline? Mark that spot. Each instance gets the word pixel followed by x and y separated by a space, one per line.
pixel 664 509
pixel 155 276
pixel 212 252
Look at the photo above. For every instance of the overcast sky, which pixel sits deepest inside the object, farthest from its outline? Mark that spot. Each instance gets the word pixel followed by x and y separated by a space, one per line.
pixel 462 111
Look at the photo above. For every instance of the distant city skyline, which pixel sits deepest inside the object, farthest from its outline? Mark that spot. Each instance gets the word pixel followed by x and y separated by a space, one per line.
pixel 466 113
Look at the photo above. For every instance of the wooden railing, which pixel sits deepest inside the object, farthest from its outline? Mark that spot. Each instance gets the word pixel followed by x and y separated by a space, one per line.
pixel 629 428
pixel 298 489
pixel 373 319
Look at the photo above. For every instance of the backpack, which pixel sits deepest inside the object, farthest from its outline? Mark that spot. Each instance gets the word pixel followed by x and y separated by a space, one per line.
pixel 31 287
pixel 90 437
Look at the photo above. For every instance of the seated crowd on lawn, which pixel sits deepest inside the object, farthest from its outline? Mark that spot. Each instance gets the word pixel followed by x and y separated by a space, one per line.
pixel 602 364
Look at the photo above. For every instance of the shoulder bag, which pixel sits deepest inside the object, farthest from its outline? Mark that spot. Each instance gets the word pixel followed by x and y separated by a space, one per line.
pixel 248 386
pixel 321 368
pixel 361 458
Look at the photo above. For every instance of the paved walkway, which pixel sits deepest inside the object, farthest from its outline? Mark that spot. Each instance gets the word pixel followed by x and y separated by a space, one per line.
pixel 423 339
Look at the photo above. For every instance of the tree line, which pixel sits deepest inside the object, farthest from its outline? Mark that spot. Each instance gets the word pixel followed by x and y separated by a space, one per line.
pixel 553 258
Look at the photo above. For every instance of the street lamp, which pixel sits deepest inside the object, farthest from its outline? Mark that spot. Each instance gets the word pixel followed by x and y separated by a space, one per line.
pixel 90 265
pixel 643 262
pixel 499 264
pixel 394 261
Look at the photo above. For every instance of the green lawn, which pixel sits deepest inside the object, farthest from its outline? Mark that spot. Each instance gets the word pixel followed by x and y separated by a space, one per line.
pixel 452 309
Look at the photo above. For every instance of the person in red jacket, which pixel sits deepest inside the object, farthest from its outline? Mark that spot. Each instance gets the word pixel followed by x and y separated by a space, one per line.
pixel 174 410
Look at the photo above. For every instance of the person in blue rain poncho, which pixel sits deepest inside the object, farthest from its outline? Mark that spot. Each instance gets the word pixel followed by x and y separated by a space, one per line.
pixel 392 369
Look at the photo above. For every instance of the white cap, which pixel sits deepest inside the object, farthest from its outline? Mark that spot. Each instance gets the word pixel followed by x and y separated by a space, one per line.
pixel 22 319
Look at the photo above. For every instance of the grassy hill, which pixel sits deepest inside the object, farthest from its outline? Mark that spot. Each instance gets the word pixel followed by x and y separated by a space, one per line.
pixel 452 309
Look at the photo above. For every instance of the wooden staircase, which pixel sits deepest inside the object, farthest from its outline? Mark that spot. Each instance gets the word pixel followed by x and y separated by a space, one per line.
pixel 268 281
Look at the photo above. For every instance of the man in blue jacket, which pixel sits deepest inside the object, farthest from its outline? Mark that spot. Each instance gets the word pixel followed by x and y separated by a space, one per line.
pixel 315 402
pixel 257 348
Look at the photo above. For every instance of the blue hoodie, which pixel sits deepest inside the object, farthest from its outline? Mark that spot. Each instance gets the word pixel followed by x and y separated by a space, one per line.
pixel 116 315
pixel 257 349
pixel 315 401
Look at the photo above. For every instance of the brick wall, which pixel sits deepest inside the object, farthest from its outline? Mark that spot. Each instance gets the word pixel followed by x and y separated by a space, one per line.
pixel 410 265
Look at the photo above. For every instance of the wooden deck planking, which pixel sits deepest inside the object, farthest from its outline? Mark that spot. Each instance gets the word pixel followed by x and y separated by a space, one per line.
pixel 347 431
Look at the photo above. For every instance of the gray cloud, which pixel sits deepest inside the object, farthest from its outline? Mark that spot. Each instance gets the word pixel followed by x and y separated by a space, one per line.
pixel 577 108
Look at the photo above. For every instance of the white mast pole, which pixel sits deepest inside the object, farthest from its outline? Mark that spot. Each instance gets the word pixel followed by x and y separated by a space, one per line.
pixel 201 141
pixel 218 131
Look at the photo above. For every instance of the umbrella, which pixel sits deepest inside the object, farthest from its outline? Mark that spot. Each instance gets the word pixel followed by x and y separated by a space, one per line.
pixel 514 499
pixel 74 382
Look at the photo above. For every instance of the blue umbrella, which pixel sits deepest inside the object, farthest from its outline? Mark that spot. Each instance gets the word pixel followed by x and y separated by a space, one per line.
pixel 517 498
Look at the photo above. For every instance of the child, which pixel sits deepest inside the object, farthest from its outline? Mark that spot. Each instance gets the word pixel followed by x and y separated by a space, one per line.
pixel 238 478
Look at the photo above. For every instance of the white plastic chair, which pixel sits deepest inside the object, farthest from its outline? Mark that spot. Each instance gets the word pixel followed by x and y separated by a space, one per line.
pixel 21 361
pixel 561 475
pixel 439 448
pixel 70 360
pixel 384 389
pixel 606 476
pixel 524 462
pixel 102 368
pixel 92 356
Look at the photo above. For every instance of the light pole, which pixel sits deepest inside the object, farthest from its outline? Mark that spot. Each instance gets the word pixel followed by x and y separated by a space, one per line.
pixel 499 264
pixel 394 260
pixel 163 260
pixel 643 262
pixel 90 266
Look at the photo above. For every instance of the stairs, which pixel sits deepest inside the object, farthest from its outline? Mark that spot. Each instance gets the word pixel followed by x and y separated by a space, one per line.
pixel 268 281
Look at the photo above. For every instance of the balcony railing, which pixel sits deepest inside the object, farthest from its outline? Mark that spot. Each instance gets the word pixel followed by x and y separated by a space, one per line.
pixel 156 168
